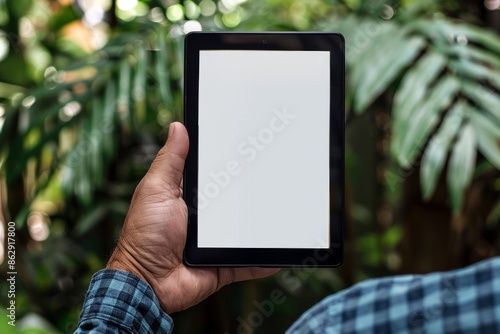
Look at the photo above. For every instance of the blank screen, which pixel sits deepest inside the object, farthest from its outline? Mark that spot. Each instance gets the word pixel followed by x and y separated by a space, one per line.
pixel 263 173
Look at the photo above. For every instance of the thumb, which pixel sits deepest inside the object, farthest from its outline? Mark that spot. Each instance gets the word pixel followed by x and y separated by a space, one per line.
pixel 168 165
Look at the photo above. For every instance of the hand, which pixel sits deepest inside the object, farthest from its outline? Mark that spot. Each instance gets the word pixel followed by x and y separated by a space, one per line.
pixel 154 235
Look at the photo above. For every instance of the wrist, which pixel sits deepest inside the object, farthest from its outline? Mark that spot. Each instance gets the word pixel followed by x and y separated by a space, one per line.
pixel 121 260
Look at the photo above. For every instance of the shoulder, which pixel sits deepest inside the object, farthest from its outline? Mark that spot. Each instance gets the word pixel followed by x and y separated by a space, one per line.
pixel 411 302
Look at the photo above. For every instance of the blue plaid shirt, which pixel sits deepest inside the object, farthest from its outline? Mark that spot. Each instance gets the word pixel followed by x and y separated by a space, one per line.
pixel 120 302
pixel 460 301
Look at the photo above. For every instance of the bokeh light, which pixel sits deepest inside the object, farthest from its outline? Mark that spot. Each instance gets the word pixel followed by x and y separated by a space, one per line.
pixel 37 226
pixel 175 13
pixel 492 4
pixel 192 10
pixel 4 46
pixel 126 5
pixel 208 8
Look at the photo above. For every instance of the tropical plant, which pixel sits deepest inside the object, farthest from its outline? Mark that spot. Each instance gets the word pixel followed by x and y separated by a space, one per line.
pixel 446 78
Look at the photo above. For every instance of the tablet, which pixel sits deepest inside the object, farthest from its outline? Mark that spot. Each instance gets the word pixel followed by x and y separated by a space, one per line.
pixel 264 176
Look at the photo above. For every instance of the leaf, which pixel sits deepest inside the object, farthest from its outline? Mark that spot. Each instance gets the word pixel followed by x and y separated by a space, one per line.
pixel 16 164
pixel 477 55
pixel 422 121
pixel 472 70
pixel 116 45
pixel 62 17
pixel 139 88
pixel 478 35
pixel 92 218
pixel 22 216
pixel 382 72
pixel 435 155
pixel 96 215
pixel 483 97
pixel 43 92
pixel 178 46
pixel 95 138
pixel 93 63
pixel 413 89
pixel 445 31
pixel 9 90
pixel 360 34
pixel 483 123
pixel 82 182
pixel 108 117
pixel 124 90
pixel 431 29
pixel 20 159
pixel 490 149
pixel 461 168
pixel 9 128
pixel 162 74
pixel 41 116
pixel 487 136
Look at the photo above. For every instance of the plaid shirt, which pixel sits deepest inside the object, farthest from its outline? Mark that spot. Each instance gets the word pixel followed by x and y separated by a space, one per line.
pixel 120 302
pixel 460 301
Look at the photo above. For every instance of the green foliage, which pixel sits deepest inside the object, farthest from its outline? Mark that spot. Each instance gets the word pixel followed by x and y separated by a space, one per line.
pixel 434 67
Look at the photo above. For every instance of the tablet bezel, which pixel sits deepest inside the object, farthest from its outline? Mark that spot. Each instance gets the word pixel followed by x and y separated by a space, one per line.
pixel 278 41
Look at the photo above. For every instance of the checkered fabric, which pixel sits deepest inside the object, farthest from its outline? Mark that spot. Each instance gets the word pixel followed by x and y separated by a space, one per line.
pixel 460 301
pixel 120 302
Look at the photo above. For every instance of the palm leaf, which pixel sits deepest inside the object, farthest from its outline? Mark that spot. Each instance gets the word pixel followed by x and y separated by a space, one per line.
pixel 412 91
pixel 487 136
pixel 453 63
pixel 423 119
pixel 461 168
pixel 436 153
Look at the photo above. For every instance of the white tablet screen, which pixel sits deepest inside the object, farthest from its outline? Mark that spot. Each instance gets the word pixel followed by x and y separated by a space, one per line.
pixel 263 173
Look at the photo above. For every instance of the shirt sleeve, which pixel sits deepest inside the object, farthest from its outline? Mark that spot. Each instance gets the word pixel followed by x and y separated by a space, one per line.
pixel 120 302
pixel 460 301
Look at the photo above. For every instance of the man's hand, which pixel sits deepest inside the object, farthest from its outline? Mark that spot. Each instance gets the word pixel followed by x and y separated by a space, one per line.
pixel 154 235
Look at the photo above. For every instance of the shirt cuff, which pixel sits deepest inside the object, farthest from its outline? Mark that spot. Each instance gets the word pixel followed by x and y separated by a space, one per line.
pixel 120 301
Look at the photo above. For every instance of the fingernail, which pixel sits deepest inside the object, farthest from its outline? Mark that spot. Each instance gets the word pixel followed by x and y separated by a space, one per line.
pixel 171 129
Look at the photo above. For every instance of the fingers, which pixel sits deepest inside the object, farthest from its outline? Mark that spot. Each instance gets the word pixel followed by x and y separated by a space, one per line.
pixel 230 275
pixel 242 274
pixel 168 165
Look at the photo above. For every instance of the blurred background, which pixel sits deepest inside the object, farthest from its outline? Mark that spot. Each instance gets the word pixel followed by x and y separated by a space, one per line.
pixel 89 87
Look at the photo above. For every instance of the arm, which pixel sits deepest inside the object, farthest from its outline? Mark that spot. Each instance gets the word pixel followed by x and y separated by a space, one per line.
pixel 153 238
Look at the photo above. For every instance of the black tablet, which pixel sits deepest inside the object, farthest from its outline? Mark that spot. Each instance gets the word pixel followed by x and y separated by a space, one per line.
pixel 264 177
